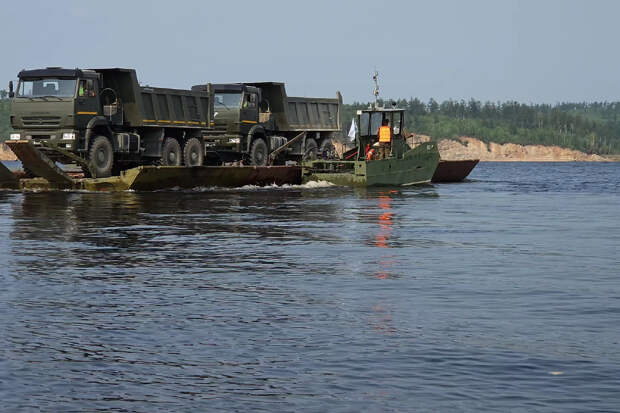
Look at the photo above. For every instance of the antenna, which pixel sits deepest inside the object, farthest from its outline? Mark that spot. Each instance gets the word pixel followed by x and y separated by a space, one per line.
pixel 375 92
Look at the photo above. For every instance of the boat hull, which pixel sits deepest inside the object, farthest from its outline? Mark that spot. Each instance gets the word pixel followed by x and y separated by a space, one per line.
pixel 454 171
pixel 415 167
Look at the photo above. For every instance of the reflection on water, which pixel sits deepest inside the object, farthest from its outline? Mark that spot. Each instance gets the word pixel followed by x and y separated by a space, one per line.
pixel 385 261
pixel 385 221
pixel 452 297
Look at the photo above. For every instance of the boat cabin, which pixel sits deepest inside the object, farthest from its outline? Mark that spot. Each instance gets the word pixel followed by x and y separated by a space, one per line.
pixel 370 120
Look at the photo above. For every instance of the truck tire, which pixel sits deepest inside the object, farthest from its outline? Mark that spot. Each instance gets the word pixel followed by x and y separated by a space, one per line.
pixel 170 153
pixel 101 157
pixel 311 149
pixel 259 152
pixel 193 155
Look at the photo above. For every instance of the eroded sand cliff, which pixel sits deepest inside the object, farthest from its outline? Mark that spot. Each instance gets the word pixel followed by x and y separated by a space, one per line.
pixel 472 148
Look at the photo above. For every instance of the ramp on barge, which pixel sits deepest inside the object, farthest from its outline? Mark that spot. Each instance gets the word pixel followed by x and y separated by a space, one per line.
pixel 38 164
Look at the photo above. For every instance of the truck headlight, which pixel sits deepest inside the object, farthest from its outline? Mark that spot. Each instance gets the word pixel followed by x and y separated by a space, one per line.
pixel 234 140
pixel 68 135
pixel 15 136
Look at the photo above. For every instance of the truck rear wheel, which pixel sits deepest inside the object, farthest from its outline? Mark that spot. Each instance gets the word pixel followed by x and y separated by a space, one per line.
pixel 259 152
pixel 170 153
pixel 311 149
pixel 193 155
pixel 101 157
pixel 327 149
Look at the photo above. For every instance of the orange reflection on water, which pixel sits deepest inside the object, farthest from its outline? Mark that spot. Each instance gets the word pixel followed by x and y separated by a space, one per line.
pixel 382 238
pixel 381 320
pixel 385 222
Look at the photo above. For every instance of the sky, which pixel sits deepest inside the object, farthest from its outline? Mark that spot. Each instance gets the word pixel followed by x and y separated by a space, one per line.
pixel 543 51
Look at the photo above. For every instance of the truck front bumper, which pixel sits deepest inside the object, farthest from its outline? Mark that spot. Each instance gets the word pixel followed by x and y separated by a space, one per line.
pixel 65 138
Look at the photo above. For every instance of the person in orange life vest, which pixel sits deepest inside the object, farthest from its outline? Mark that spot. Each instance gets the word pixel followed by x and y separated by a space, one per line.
pixel 385 139
pixel 385 134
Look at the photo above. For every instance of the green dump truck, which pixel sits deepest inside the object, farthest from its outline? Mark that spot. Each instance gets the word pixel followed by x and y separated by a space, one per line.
pixel 104 121
pixel 259 124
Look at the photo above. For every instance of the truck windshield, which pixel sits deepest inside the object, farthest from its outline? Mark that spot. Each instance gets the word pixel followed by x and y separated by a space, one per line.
pixel 227 100
pixel 32 88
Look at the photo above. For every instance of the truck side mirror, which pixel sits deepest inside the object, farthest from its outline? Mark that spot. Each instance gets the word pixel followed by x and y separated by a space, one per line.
pixel 11 93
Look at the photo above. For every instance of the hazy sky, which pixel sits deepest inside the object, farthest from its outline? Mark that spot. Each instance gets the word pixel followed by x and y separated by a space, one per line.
pixel 530 51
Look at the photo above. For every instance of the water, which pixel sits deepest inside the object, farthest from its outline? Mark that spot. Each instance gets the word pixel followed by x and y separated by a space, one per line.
pixel 498 294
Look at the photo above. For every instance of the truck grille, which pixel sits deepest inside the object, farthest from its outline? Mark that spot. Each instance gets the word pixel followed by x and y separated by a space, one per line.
pixel 43 121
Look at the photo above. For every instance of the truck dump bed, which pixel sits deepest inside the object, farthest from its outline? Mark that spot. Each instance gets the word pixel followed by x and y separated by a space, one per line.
pixel 313 114
pixel 301 113
pixel 174 107
pixel 151 106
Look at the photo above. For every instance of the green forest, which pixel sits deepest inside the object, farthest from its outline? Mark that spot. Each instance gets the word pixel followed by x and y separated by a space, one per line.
pixel 588 127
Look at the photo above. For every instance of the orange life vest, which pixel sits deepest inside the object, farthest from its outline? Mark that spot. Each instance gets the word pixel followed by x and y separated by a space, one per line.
pixel 384 134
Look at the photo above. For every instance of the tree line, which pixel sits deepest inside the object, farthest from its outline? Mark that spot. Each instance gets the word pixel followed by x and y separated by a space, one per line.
pixel 588 127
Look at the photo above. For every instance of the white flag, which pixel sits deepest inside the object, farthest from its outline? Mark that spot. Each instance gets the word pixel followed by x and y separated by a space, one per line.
pixel 353 130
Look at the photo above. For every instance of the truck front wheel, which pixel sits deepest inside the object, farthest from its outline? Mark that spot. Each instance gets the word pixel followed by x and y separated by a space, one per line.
pixel 193 155
pixel 101 157
pixel 170 153
pixel 259 152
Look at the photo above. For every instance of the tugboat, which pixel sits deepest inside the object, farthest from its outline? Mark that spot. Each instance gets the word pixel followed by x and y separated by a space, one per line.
pixel 379 158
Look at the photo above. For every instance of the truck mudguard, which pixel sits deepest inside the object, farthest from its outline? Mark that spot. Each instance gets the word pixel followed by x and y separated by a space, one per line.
pixel 256 130
pixel 95 122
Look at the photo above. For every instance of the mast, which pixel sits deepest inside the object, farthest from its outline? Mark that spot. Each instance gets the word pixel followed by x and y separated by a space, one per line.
pixel 375 92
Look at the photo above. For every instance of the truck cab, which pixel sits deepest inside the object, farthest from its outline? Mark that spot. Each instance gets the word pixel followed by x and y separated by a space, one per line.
pixel 52 105
pixel 236 108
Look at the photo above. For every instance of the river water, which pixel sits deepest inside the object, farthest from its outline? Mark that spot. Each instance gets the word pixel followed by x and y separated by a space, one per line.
pixel 501 293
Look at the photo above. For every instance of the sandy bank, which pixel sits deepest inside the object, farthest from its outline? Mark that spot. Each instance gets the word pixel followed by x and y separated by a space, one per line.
pixel 472 148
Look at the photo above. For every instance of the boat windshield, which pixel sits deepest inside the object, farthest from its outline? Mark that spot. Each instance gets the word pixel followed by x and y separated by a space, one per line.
pixel 396 123
pixel 375 122
pixel 364 124
pixel 33 88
